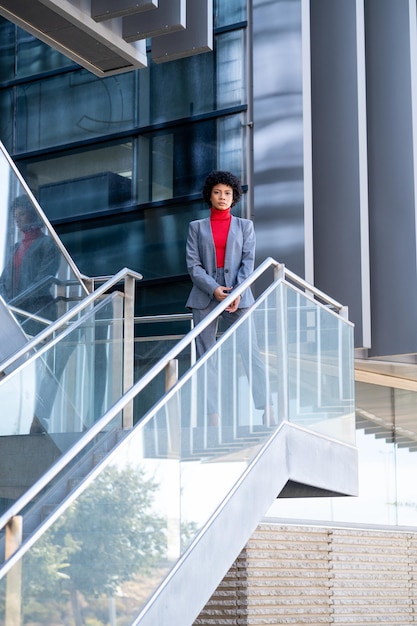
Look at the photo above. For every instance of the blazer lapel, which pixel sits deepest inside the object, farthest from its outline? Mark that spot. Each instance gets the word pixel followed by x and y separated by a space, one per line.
pixel 208 244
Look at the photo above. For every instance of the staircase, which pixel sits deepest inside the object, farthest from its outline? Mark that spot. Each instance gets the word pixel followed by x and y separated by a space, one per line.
pixel 136 496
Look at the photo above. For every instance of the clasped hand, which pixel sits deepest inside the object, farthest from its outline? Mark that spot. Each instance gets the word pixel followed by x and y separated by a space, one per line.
pixel 221 292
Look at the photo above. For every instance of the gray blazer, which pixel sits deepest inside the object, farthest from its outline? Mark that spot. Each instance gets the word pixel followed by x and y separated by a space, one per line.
pixel 201 260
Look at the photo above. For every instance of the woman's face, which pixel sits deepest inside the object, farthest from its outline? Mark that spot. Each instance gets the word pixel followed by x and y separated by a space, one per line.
pixel 221 197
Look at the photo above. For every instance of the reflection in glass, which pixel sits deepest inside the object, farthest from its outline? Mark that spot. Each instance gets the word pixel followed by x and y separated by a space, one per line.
pixel 30 266
pixel 72 381
pixel 52 112
pixel 124 528
pixel 37 277
pixel 319 368
pixel 150 241
pixel 230 76
pixel 387 444
pixel 196 85
pixel 7 46
pixel 33 56
pixel 174 162
pixel 227 13
pixel 89 182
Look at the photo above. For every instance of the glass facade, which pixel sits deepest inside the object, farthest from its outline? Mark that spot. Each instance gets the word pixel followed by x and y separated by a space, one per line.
pixel 118 163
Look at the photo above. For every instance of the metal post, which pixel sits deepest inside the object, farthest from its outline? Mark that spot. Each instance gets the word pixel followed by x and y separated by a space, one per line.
pixel 279 272
pixel 129 344
pixel 172 409
pixel 13 608
pixel 171 374
pixel 173 426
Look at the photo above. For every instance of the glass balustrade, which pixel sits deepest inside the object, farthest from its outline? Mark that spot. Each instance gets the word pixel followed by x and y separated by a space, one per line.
pixel 37 276
pixel 70 383
pixel 123 529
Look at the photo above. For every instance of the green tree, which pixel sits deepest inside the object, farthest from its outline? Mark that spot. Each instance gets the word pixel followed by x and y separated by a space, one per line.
pixel 106 537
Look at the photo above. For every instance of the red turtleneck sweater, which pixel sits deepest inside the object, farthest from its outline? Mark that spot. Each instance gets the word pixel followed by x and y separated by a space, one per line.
pixel 28 237
pixel 220 224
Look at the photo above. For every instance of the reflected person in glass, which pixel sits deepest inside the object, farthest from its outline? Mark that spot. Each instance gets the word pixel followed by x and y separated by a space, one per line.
pixel 31 267
pixel 220 255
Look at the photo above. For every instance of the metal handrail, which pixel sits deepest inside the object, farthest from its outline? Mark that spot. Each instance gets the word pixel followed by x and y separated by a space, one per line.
pixel 129 396
pixel 38 339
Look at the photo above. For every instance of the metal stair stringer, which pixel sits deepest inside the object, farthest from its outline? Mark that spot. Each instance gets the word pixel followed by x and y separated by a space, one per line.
pixel 293 462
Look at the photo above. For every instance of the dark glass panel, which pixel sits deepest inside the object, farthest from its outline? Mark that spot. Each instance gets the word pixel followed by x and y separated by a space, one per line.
pixel 34 56
pixel 186 86
pixel 163 298
pixel 6 117
pixel 75 185
pixel 151 241
pixel 7 50
pixel 174 162
pixel 195 85
pixel 73 106
pixel 166 164
pixel 228 13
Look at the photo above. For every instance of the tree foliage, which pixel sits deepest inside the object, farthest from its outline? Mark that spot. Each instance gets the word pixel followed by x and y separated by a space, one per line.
pixel 107 536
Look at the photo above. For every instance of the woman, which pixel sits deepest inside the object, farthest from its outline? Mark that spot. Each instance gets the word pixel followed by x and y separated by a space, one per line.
pixel 220 255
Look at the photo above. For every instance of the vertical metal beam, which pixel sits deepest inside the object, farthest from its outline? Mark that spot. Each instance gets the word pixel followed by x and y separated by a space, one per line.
pixel 171 374
pixel 173 426
pixel 307 143
pixel 173 409
pixel 129 347
pixel 13 608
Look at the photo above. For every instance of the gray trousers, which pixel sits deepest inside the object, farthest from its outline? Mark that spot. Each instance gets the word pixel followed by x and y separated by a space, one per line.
pixel 250 355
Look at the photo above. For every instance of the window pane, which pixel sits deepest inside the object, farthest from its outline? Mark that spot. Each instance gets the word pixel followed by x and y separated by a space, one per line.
pixel 231 137
pixel 230 74
pixel 7 39
pixel 150 241
pixel 175 89
pixel 175 162
pixel 195 85
pixel 34 56
pixel 6 117
pixel 76 185
pixel 230 12
pixel 71 107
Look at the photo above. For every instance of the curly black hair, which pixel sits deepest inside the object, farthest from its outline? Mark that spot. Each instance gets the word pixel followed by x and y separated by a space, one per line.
pixel 222 178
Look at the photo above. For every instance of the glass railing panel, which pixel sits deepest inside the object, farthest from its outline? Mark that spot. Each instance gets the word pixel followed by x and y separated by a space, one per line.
pixel 167 477
pixel 72 381
pixel 37 276
pixel 153 340
pixel 319 364
pixel 164 480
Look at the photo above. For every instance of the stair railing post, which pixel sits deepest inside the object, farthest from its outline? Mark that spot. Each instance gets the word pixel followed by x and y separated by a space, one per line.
pixel 279 272
pixel 129 347
pixel 173 428
pixel 13 540
pixel 172 407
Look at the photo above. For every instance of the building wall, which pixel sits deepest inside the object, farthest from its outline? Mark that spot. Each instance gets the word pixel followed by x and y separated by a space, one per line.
pixel 363 61
pixel 118 163
pixel 316 575
pixel 311 103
